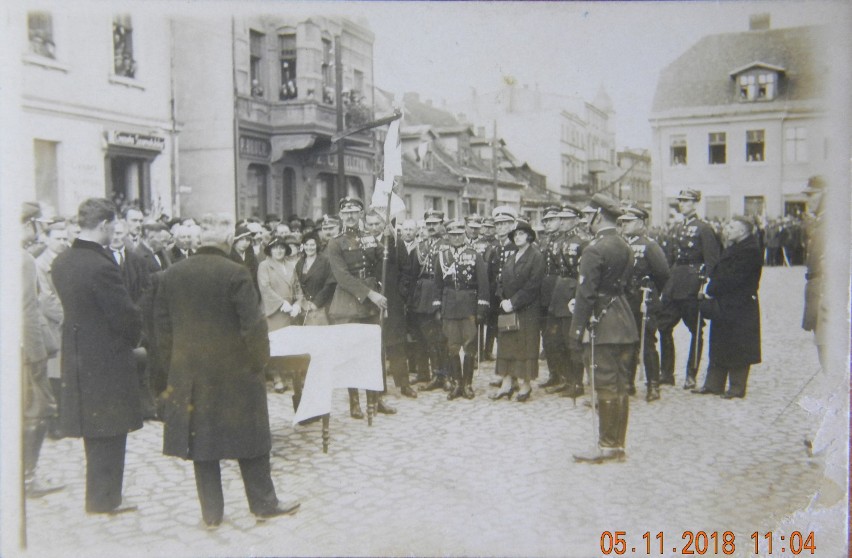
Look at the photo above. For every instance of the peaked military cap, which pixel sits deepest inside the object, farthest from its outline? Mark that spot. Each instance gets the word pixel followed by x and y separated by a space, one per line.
pixel 605 204
pixel 689 194
pixel 487 221
pixel 632 213
pixel 552 212
pixel 569 210
pixel 473 221
pixel 434 216
pixel 350 204
pixel 503 213
pixel 455 227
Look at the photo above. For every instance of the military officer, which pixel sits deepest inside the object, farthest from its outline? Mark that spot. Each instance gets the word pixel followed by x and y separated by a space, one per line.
pixel 485 245
pixel 601 305
pixel 461 297
pixel 650 271
pixel 505 217
pixel 696 250
pixel 422 298
pixel 551 249
pixel 355 259
pixel 472 228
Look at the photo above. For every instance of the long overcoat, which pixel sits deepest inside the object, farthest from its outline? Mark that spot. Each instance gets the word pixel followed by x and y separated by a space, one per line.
pixel 213 337
pixel 735 332
pixel 520 282
pixel 100 386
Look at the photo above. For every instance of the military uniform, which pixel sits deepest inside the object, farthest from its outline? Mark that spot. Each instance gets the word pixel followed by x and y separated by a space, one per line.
pixel 605 269
pixel 555 350
pixel 650 270
pixel 461 294
pixel 695 245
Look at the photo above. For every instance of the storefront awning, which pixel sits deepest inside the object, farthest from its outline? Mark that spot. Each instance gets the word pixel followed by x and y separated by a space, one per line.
pixel 291 142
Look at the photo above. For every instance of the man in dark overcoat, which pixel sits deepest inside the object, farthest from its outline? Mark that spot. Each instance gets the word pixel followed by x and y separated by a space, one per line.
pixel 735 321
pixel 214 340
pixel 605 269
pixel 100 389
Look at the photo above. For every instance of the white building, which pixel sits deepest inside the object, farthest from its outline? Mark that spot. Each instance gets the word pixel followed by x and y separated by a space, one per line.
pixel 742 117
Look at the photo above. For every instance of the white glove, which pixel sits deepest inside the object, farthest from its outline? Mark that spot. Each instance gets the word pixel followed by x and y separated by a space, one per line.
pixel 286 307
pixel 296 310
pixel 506 305
pixel 571 305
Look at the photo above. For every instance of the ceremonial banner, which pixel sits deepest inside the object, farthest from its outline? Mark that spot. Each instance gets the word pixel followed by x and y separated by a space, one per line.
pixel 392 170
pixel 342 356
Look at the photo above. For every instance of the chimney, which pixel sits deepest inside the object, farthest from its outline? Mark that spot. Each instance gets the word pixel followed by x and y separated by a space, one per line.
pixel 758 22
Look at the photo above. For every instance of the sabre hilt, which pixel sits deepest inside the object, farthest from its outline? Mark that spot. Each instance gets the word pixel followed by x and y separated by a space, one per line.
pixel 646 289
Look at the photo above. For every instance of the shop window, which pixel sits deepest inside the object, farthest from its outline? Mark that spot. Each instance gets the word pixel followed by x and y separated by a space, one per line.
pixel 254 193
pixel 754 145
pixel 40 32
pixel 256 63
pixel 124 64
pixel 678 151
pixel 754 205
pixel 287 61
pixel 46 172
pixel 716 148
pixel 796 144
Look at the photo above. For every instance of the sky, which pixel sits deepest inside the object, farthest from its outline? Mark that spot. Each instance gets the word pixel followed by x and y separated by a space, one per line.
pixel 443 49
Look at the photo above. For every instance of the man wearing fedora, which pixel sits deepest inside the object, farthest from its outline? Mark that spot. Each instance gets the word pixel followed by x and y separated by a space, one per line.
pixel 650 273
pixel 604 325
pixel 696 251
pixel 355 259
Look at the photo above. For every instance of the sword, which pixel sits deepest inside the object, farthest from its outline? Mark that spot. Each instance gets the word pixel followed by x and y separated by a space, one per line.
pixel 593 321
pixel 643 309
pixel 695 356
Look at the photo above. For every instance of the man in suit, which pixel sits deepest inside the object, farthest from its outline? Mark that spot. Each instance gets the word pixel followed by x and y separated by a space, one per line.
pixel 183 244
pixel 100 388
pixel 134 219
pixel 213 338
pixel 134 272
pixel 151 247
pixel 601 305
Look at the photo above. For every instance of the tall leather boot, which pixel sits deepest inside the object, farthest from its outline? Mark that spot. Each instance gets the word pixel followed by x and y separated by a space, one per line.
pixel 396 360
pixel 694 361
pixel 456 378
pixel 382 406
pixel 667 357
pixel 631 371
pixel 622 413
pixel 355 404
pixel 467 377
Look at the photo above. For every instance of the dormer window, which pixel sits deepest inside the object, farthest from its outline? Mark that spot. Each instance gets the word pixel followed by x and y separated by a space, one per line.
pixel 757 82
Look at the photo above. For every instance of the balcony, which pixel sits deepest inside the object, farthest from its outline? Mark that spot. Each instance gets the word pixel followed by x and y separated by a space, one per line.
pixel 598 165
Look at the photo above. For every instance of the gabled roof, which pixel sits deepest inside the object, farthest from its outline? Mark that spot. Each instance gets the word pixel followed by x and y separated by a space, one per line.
pixel 757 64
pixel 701 76
pixel 439 176
pixel 416 131
pixel 417 112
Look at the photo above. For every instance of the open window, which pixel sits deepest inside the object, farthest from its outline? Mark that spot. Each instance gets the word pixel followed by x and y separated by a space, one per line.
pixel 287 62
pixel 124 64
pixel 256 63
pixel 40 32
pixel 716 148
pixel 678 150
pixel 755 147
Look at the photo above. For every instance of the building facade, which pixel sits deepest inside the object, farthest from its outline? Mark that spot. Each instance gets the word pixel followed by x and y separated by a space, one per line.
pixel 742 117
pixel 258 127
pixel 98 120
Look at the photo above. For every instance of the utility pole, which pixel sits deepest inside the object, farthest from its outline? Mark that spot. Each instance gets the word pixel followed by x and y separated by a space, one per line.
pixel 494 163
pixel 338 100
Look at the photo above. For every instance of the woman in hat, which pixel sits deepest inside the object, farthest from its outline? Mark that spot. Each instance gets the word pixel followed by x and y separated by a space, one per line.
pixel 518 289
pixel 279 295
pixel 316 282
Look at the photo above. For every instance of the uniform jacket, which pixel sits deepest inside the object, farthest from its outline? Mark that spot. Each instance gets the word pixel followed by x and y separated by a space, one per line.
pixel 461 281
pixel 424 293
pixel 605 268
pixel 551 251
pixel 354 258
pixel 735 333
pixel 499 256
pixel 694 244
pixel 649 261
pixel 565 286
pixel 100 384
pixel 213 337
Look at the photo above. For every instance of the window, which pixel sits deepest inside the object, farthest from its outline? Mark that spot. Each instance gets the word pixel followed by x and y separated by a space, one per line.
pixel 40 31
pixel 256 63
pixel 716 152
pixel 358 88
pixel 761 86
pixel 327 72
pixel 451 209
pixel 433 202
pixel 678 150
pixel 46 172
pixel 124 64
pixel 287 61
pixel 766 86
pixel 754 145
pixel 716 207
pixel 796 144
pixel 754 205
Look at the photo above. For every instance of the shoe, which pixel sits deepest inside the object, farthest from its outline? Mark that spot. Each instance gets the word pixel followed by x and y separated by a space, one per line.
pixel 652 395
pixel 631 390
pixel 705 391
pixel 455 393
pixel 408 392
pixel 572 391
pixel 383 408
pixel 35 488
pixel 468 392
pixel 602 455
pixel 522 397
pixel 731 395
pixel 558 388
pixel 283 508
pixel 552 381
pixel 501 395
pixel 689 383
pixel 449 385
pixel 496 383
pixel 436 382
pixel 279 387
pixel 211 525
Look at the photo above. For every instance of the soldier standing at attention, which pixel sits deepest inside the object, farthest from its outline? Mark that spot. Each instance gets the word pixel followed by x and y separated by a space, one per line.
pixel 505 218
pixel 461 298
pixel 355 259
pixel 651 271
pixel 601 305
pixel 551 248
pixel 695 245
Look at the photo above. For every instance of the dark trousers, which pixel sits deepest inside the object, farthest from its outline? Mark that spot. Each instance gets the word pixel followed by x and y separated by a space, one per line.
pixel 554 340
pixel 673 312
pixel 649 354
pixel 104 472
pixel 415 347
pixel 436 343
pixel 611 378
pixel 257 480
pixel 735 376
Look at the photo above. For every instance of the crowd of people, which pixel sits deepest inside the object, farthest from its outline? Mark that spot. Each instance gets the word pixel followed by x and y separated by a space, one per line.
pixel 127 318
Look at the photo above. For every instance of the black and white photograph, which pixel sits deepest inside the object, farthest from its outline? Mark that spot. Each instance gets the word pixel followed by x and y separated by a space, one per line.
pixel 376 278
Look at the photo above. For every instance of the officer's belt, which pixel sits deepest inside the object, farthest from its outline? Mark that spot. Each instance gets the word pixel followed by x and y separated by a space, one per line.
pixel 360 274
pixel 688 262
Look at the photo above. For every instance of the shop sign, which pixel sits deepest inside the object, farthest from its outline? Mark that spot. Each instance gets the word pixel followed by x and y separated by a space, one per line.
pixel 254 147
pixel 139 141
pixel 508 196
pixel 351 163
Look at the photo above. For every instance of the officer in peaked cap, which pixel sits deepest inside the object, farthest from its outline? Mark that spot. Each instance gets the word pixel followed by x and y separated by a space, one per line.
pixel 551 250
pixel 421 275
pixel 696 251
pixel 472 226
pixel 355 260
pixel 504 217
pixel 650 271
pixel 461 297
pixel 601 305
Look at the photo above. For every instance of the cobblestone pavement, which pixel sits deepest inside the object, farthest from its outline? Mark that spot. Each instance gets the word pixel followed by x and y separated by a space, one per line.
pixel 479 477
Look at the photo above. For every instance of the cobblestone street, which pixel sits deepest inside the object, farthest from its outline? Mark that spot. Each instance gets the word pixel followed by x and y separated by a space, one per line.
pixel 481 477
